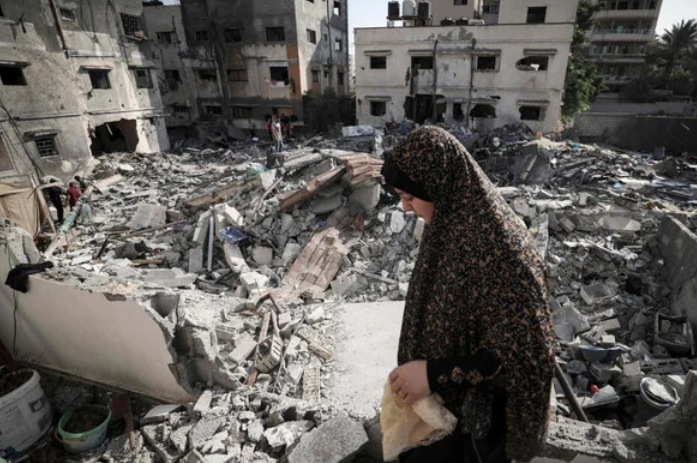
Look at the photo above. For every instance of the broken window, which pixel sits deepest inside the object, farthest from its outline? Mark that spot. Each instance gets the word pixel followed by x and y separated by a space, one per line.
pixel 241 112
pixel 99 78
pixel 213 110
pixel 338 45
pixel 232 35
pixel 458 113
pixel 275 34
pixel 5 159
pixel 46 145
pixel 533 63
pixel 143 79
pixel 537 14
pixel 180 108
pixel 172 77
pixel 378 62
pixel 12 75
pixel 311 1
pixel 483 111
pixel 66 14
pixel 315 76
pixel 337 8
pixel 530 113
pixel 131 24
pixel 378 108
pixel 622 5
pixel 311 36
pixel 207 74
pixel 202 36
pixel 279 75
pixel 422 62
pixel 237 75
pixel 486 63
pixel 340 78
pixel 460 2
pixel 165 38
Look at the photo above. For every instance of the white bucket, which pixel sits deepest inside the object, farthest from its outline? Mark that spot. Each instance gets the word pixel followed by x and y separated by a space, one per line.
pixel 25 418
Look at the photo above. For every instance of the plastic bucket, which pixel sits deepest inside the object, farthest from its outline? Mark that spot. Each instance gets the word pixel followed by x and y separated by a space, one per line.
pixel 25 416
pixel 87 440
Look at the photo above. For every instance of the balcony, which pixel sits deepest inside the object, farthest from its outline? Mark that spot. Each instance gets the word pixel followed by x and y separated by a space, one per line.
pixel 618 80
pixel 614 35
pixel 620 58
pixel 626 14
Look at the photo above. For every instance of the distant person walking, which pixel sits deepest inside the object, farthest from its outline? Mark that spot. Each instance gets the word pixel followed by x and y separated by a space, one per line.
pixel 278 134
pixel 252 128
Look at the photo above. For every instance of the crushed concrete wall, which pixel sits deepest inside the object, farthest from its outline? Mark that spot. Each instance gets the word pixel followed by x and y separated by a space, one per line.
pixel 84 334
pixel 678 247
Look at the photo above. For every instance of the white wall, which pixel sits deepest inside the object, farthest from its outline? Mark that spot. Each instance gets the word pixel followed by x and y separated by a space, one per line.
pixel 84 334
pixel 442 9
pixel 454 59
pixel 558 11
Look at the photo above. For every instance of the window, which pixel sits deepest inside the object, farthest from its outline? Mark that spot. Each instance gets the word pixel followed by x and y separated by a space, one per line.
pixel 460 2
pixel 340 78
pixel 623 5
pixel 315 76
pixel 275 34
pixel 46 146
pixel 165 37
pixel 483 111
pixel 337 8
pixel 378 62
pixel 66 14
pixel 202 36
pixel 99 78
pixel 131 24
pixel 241 112
pixel 279 75
pixel 378 108
pixel 207 74
pixel 337 45
pixel 486 63
pixel 422 62
pixel 232 35
pixel 237 75
pixel 143 79
pixel 537 14
pixel 491 8
pixel 652 6
pixel 530 113
pixel 325 37
pixel 172 77
pixel 311 36
pixel 458 113
pixel 533 63
pixel 180 108
pixel 12 75
pixel 213 110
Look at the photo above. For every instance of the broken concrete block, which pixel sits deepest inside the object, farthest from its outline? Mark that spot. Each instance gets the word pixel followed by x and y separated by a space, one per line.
pixel 170 278
pixel 333 442
pixel 566 224
pixel 290 252
pixel 180 438
pixel 255 431
pixel 148 216
pixel 232 215
pixel 620 224
pixel 367 197
pixel 201 231
pixel 292 347
pixel 273 358
pixel 196 260
pixel 234 258
pixel 253 281
pixel 267 178
pixel 157 436
pixel 324 205
pixel 243 349
pixel 343 285
pixel 311 383
pixel 204 430
pixel 160 413
pixel 597 293
pixel 397 222
pixel 285 434
pixel 316 316
pixel 522 208
pixel 568 322
pixel 203 404
pixel 262 255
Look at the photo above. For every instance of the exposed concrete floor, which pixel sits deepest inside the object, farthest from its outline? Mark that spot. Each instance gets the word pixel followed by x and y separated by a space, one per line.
pixel 368 335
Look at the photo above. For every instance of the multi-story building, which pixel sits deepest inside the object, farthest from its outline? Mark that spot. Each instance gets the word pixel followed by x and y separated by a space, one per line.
pixel 75 79
pixel 617 43
pixel 487 73
pixel 253 58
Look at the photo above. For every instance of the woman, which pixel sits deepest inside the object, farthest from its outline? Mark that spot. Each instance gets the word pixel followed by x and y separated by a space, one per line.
pixel 477 328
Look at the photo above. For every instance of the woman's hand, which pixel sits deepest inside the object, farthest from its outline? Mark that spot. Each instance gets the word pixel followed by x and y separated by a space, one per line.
pixel 410 381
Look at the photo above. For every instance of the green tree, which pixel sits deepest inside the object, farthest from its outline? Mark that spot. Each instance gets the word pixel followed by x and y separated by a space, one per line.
pixel 677 44
pixel 583 83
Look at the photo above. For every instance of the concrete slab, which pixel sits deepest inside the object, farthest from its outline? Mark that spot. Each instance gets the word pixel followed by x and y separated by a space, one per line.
pixel 367 339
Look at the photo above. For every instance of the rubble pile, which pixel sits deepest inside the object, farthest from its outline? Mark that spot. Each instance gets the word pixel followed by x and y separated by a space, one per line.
pixel 241 257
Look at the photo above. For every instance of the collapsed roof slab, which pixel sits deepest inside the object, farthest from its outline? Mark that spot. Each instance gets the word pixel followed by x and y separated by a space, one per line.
pixel 88 334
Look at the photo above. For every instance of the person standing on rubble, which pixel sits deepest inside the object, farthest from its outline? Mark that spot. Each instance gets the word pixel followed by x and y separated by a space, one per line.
pixel 73 195
pixel 477 328
pixel 278 134
pixel 54 193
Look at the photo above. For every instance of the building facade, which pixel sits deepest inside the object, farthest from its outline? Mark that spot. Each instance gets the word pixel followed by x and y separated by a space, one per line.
pixel 485 76
pixel 256 58
pixel 617 43
pixel 75 80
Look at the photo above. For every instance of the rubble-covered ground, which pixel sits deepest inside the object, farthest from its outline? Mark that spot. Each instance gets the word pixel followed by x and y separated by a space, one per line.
pixel 214 231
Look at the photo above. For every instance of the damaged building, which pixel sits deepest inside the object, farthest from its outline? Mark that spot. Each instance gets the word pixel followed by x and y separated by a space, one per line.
pixel 506 68
pixel 241 61
pixel 75 80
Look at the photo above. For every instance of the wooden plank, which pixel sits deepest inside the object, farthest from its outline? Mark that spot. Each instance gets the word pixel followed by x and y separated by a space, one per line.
pixel 220 194
pixel 313 187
